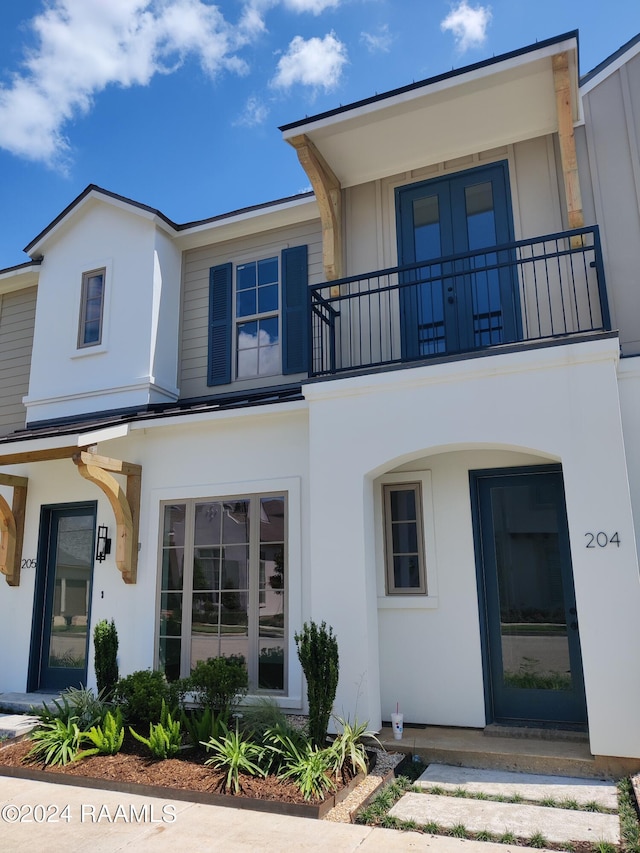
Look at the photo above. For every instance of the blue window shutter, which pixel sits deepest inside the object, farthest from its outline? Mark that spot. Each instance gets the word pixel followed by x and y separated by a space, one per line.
pixel 220 297
pixel 294 310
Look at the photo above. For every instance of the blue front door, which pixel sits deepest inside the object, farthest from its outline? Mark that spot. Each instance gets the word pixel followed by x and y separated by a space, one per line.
pixel 532 659
pixel 456 304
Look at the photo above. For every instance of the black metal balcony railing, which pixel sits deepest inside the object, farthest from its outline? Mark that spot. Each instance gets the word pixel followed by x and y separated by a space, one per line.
pixel 529 290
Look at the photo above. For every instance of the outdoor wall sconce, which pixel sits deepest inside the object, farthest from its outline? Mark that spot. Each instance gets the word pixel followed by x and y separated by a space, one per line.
pixel 104 543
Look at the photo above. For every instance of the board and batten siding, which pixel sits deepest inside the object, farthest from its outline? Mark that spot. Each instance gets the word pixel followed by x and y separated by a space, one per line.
pixel 17 320
pixel 195 298
pixel 612 130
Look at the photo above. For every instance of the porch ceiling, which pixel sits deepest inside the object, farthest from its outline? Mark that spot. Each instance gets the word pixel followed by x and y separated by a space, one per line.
pixel 487 106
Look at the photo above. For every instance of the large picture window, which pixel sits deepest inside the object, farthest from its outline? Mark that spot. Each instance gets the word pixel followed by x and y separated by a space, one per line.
pixel 223 586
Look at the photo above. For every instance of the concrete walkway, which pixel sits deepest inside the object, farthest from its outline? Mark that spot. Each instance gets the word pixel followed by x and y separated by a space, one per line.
pixel 43 815
pixel 543 806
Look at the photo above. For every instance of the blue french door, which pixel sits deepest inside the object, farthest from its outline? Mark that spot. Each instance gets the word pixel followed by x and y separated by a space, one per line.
pixel 64 575
pixel 459 304
pixel 532 659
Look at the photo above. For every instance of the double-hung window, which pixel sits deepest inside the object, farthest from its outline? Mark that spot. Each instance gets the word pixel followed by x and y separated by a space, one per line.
pixel 91 309
pixel 224 586
pixel 258 317
pixel 404 549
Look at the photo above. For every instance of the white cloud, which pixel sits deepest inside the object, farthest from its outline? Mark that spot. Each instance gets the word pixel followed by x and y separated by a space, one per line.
pixel 379 42
pixel 83 46
pixel 255 113
pixel 468 25
pixel 316 62
pixel 313 6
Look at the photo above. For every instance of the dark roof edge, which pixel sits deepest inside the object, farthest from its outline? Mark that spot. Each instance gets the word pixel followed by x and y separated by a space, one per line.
pixel 176 226
pixel 22 266
pixel 615 55
pixel 431 80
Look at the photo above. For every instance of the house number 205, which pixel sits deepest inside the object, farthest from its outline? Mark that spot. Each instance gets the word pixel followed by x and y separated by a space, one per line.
pixel 602 540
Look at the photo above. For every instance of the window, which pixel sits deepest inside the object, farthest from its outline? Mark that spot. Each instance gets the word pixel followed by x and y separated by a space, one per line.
pixel 223 587
pixel 404 550
pixel 257 319
pixel 91 304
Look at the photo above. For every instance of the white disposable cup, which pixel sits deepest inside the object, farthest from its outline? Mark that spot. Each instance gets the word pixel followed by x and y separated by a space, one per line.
pixel 397 725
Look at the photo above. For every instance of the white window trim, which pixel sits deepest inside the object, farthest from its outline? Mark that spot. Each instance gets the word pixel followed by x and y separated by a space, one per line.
pixel 105 264
pixel 291 488
pixel 409 600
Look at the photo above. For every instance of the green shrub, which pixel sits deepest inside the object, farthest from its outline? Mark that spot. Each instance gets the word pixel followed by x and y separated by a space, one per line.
pixel 318 654
pixel 106 739
pixel 304 764
pixel 235 753
pixel 56 741
pixel 105 642
pixel 219 683
pixel 262 715
pixel 164 738
pixel 142 694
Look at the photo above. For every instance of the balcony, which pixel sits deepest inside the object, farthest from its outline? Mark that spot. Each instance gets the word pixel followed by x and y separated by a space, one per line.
pixel 545 289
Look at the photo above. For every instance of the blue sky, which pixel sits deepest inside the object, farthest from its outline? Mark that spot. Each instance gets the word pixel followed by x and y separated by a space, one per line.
pixel 176 103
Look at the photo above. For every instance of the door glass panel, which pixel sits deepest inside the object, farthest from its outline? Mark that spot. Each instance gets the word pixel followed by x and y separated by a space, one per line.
pixel 429 303
pixel 533 628
pixel 485 285
pixel 72 586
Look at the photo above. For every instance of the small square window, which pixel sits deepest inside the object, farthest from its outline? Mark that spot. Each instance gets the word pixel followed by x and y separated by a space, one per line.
pixel 404 550
pixel 91 309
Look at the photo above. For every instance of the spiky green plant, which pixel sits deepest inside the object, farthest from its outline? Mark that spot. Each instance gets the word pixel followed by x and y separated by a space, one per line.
pixel 234 753
pixel 56 741
pixel 348 751
pixel 318 653
pixel 164 738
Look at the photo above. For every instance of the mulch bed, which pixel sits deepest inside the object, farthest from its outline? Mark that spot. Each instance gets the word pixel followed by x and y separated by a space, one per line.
pixel 185 773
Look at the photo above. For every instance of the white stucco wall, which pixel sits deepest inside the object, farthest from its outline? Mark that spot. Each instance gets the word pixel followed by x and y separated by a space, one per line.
pixel 560 403
pixel 136 362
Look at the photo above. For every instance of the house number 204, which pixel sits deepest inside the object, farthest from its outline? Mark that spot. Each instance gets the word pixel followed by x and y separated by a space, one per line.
pixel 601 540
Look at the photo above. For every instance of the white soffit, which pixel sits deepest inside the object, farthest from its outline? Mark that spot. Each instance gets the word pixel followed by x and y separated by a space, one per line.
pixel 496 105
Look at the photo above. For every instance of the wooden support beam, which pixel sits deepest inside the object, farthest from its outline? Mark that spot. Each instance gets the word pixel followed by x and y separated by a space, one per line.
pixel 12 528
pixel 568 158
pixel 125 505
pixel 328 191
pixel 22 457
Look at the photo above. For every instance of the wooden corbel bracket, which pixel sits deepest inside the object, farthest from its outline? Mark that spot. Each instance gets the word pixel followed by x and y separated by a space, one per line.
pixel 328 192
pixel 568 156
pixel 12 528
pixel 125 505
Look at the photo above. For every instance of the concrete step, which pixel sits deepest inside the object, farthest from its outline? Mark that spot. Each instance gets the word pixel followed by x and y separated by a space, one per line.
pixel 23 703
pixel 16 725
pixel 472 748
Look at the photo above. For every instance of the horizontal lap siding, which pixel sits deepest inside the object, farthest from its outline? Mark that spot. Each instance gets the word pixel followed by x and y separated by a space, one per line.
pixel 17 318
pixel 195 298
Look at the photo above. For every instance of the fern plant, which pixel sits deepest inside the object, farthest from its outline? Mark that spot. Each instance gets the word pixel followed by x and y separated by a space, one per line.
pixel 106 739
pixel 235 754
pixel 201 725
pixel 165 738
pixel 56 741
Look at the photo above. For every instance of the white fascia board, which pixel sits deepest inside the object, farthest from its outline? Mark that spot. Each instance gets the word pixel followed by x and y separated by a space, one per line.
pixel 193 418
pixel 37 249
pixel 610 69
pixel 19 279
pixel 439 86
pixel 248 222
pixel 111 433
